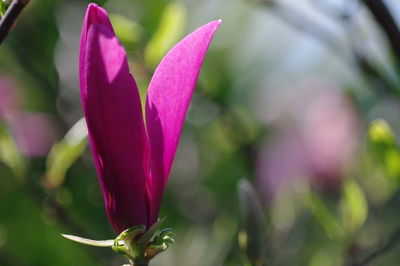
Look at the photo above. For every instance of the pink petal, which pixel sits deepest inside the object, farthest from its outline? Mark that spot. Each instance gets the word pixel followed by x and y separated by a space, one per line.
pixel 94 14
pixel 114 117
pixel 168 99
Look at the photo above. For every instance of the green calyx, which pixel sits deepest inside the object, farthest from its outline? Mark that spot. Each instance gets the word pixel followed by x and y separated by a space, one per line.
pixel 135 243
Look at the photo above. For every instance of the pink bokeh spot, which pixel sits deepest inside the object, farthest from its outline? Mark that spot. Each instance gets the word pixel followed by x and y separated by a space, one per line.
pixel 33 132
pixel 315 140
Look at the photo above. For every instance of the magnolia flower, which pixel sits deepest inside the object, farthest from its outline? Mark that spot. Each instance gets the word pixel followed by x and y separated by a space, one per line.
pixel 133 158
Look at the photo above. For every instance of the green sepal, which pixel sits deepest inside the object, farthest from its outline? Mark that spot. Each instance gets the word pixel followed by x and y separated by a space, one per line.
pixel 162 241
pixel 125 243
pixel 135 243
pixel 149 233
pixel 90 242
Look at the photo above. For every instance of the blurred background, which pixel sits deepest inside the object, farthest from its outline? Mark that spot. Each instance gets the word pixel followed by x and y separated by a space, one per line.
pixel 288 155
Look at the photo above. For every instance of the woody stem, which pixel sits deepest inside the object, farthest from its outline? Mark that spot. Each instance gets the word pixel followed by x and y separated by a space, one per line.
pixel 11 15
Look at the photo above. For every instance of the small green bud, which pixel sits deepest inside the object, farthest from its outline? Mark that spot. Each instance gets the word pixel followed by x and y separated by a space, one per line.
pixel 135 243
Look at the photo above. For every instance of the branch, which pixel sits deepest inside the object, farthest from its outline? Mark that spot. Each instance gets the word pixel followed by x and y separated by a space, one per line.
pixel 390 244
pixel 380 82
pixel 386 21
pixel 305 25
pixel 11 15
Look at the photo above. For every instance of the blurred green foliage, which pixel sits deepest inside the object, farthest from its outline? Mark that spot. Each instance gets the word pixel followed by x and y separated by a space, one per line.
pixel 10 155
pixel 354 207
pixel 325 217
pixel 172 24
pixel 128 31
pixel 64 153
pixel 384 149
pixel 3 7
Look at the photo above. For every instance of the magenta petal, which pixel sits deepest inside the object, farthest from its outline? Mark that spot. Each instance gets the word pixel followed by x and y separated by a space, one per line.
pixel 114 117
pixel 168 98
pixel 94 14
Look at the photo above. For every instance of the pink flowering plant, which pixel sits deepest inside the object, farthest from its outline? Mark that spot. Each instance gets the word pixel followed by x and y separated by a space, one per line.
pixel 133 154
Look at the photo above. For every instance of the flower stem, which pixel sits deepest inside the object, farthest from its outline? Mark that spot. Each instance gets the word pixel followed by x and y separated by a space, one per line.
pixel 140 262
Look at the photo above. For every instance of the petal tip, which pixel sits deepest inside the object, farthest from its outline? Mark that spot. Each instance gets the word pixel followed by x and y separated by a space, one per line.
pixel 213 25
pixel 92 10
pixel 93 5
pixel 96 14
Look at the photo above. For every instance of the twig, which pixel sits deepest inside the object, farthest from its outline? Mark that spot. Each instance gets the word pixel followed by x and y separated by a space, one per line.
pixel 11 15
pixel 382 86
pixel 386 21
pixel 391 243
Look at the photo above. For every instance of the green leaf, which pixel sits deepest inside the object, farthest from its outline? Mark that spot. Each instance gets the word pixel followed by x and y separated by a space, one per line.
pixel 10 154
pixel 380 132
pixel 324 216
pixel 64 153
pixel 169 32
pixel 383 150
pixel 353 206
pixel 4 4
pixel 252 235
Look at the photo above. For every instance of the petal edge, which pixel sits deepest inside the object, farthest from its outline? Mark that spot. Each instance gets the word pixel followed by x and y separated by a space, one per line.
pixel 168 99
